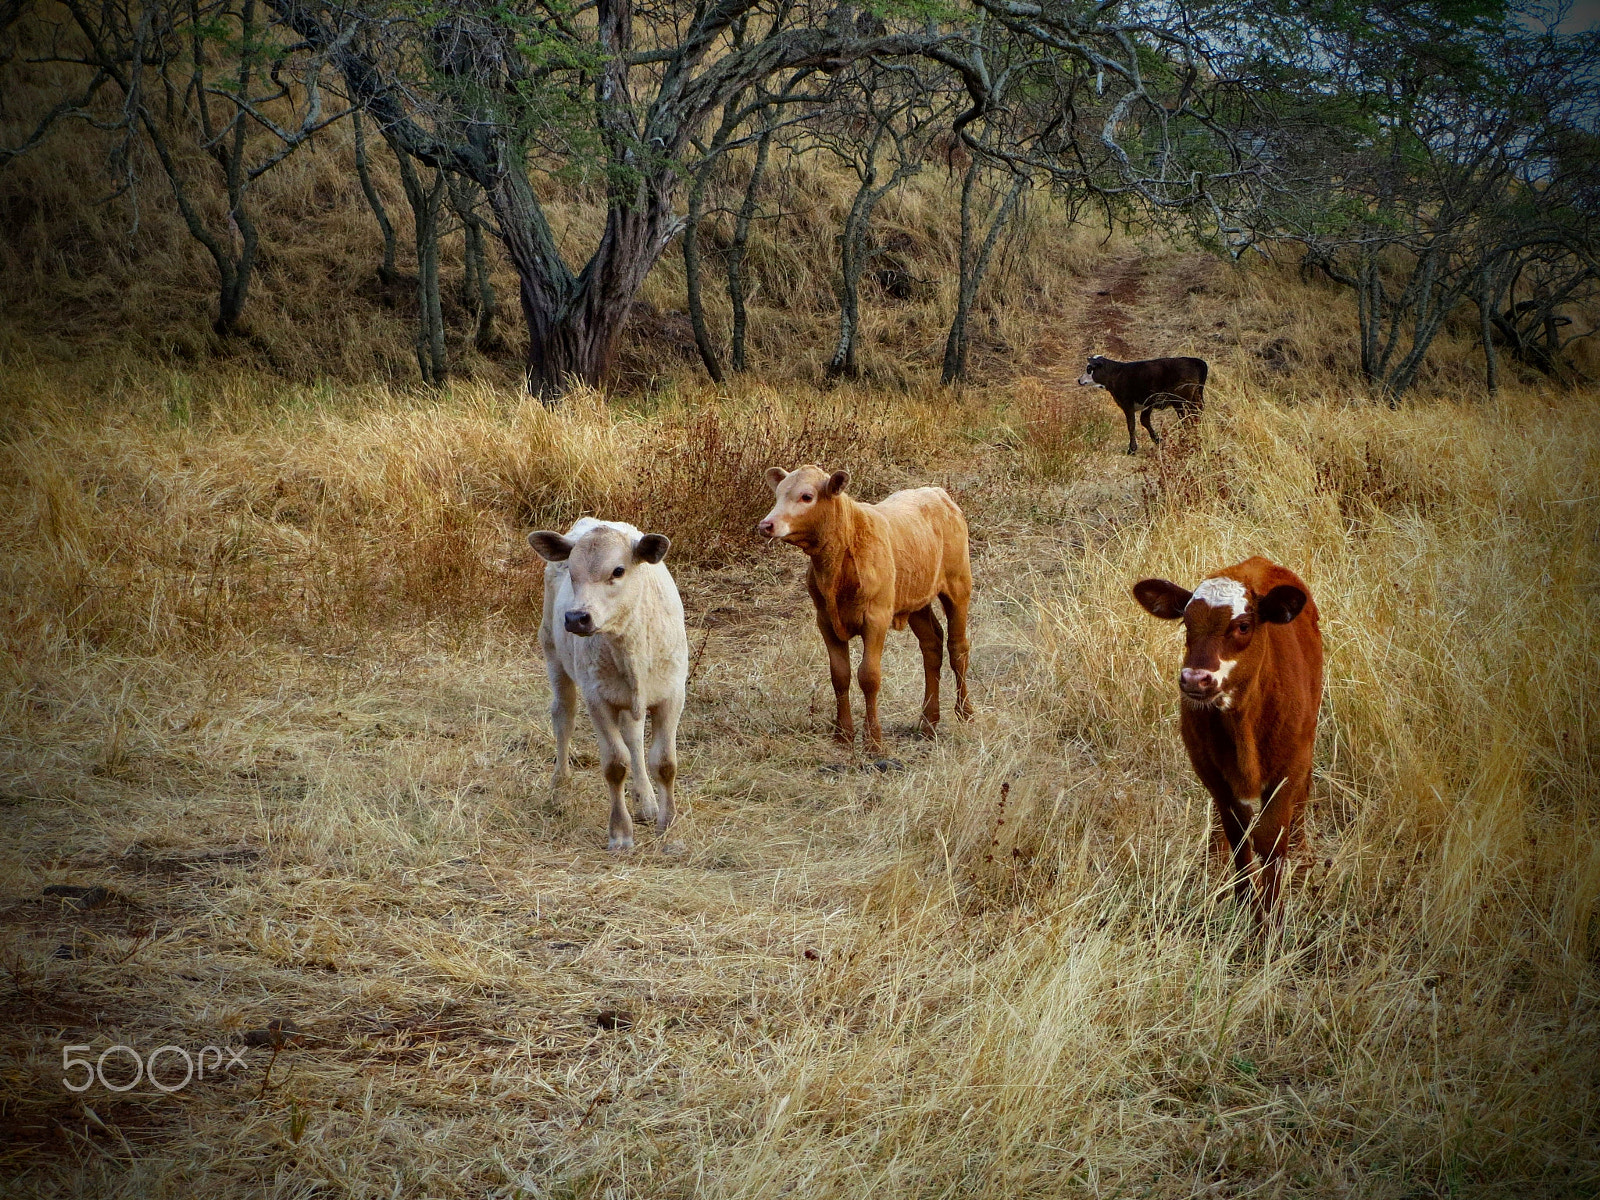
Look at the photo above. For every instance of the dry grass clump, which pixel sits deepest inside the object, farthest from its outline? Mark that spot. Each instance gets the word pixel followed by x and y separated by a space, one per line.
pixel 1056 430
pixel 201 520
pixel 271 680
pixel 1010 967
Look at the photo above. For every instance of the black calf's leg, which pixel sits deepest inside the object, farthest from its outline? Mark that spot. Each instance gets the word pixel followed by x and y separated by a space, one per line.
pixel 1144 418
pixel 1133 440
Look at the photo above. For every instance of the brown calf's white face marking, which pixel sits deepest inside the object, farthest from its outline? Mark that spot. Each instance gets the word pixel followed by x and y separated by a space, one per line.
pixel 1222 592
pixel 1218 627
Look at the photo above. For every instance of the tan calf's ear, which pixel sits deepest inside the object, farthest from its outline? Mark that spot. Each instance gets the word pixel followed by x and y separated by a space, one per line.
pixel 1161 598
pixel 1282 604
pixel 652 547
pixel 836 483
pixel 775 476
pixel 551 546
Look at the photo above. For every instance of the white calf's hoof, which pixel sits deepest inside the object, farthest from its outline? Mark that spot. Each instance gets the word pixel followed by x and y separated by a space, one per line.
pixel 619 845
pixel 648 810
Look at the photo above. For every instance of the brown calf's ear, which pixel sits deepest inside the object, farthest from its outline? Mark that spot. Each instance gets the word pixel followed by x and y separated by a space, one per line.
pixel 652 547
pixel 836 483
pixel 1162 598
pixel 775 476
pixel 551 546
pixel 1282 604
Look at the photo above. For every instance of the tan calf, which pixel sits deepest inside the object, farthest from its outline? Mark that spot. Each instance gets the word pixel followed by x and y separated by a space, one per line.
pixel 873 567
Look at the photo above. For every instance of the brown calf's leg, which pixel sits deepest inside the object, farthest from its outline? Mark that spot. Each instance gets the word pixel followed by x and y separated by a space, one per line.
pixel 1273 834
pixel 1235 824
pixel 844 729
pixel 871 677
pixel 955 604
pixel 931 638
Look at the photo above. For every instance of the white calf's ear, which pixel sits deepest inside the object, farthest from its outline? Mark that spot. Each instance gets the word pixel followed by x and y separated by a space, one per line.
pixel 775 476
pixel 551 546
pixel 1162 598
pixel 836 482
pixel 652 547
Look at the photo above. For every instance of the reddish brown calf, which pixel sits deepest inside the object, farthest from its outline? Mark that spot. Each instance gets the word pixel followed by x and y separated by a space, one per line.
pixel 1251 685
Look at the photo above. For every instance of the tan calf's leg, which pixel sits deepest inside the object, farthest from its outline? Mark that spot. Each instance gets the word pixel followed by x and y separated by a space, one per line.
pixel 931 638
pixel 955 604
pixel 664 759
pixel 844 729
pixel 563 708
pixel 614 765
pixel 871 677
pixel 633 738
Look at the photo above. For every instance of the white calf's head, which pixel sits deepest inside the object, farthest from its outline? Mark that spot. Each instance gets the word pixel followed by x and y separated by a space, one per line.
pixel 602 564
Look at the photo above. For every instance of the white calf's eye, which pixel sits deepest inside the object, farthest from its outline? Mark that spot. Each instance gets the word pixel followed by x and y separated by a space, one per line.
pixel 617 574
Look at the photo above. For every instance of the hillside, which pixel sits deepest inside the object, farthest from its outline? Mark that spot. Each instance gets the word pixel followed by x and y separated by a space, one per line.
pixel 272 680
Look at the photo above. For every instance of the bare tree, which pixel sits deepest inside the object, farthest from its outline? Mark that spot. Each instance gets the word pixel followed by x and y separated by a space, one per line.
pixel 975 255
pixel 880 129
pixel 616 98
pixel 1436 179
pixel 170 48
pixel 426 200
pixel 387 274
pixel 477 287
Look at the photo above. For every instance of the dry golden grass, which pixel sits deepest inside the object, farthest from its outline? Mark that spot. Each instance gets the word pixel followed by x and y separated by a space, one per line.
pixel 271 678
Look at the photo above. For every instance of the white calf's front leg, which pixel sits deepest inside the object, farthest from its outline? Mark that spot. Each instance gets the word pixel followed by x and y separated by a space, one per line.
pixel 563 709
pixel 664 758
pixel 633 734
pixel 614 764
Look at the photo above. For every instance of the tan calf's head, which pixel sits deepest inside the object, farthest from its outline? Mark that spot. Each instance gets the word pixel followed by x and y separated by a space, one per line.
pixel 601 565
pixel 805 497
pixel 1219 623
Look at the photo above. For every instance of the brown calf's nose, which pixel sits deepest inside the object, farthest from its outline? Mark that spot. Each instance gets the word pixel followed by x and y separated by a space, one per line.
pixel 1196 681
pixel 765 527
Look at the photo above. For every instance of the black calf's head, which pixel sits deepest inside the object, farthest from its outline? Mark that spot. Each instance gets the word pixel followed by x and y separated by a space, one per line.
pixel 1096 363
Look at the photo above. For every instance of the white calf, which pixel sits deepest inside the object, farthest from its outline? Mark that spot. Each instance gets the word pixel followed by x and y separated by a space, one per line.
pixel 613 629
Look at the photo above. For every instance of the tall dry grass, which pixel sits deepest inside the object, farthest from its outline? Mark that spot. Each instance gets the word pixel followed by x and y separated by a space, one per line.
pixel 272 679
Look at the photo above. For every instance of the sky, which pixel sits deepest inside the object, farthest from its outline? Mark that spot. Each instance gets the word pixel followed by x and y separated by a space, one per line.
pixel 1584 14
